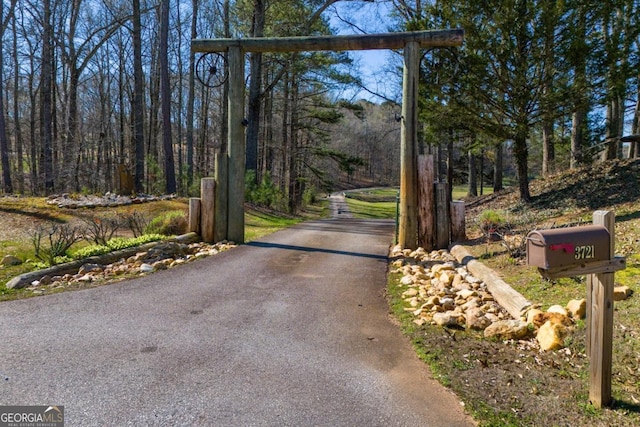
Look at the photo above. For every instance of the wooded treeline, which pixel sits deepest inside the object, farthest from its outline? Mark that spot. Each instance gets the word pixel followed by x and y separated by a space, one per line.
pixel 103 95
pixel 554 82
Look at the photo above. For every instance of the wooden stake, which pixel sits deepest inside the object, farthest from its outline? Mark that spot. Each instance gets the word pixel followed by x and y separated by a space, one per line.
pixel 194 215
pixel 458 225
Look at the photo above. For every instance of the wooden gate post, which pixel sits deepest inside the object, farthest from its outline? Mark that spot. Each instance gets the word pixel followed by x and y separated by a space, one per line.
pixel 236 147
pixel 600 322
pixel 408 234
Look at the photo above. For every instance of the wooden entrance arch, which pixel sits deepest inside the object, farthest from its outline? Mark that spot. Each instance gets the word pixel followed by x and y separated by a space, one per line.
pixel 232 182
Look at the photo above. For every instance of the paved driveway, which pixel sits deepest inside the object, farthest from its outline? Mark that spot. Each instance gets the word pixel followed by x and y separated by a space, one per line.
pixel 291 330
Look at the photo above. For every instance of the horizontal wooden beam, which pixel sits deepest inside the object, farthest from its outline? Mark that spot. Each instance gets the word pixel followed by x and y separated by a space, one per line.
pixel 512 301
pixel 425 39
pixel 607 266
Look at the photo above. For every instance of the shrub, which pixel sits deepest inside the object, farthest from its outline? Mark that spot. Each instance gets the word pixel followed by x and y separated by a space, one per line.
pixel 115 245
pixel 491 221
pixel 51 243
pixel 99 229
pixel 266 194
pixel 168 224
pixel 136 221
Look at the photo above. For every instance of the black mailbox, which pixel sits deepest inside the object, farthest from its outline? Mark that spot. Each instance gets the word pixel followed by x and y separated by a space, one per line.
pixel 571 246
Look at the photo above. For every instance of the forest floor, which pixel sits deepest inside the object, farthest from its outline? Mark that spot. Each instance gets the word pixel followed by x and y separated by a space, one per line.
pixel 514 383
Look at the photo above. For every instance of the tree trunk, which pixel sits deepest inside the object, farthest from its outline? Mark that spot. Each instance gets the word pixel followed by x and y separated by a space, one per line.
pixel 481 172
pixel 498 168
pixel 7 186
pixel 138 99
pixel 614 117
pixel 19 142
pixel 472 176
pixel 578 117
pixel 46 100
pixel 635 124
pixel 548 151
pixel 255 89
pixel 191 96
pixel 577 137
pixel 521 154
pixel 165 89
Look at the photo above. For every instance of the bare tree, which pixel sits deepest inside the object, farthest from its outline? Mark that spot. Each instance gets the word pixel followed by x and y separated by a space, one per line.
pixel 137 107
pixel 4 142
pixel 165 89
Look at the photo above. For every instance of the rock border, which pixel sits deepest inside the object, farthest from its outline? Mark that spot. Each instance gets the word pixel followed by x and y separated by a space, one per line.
pixel 453 289
pixel 25 279
pixel 512 301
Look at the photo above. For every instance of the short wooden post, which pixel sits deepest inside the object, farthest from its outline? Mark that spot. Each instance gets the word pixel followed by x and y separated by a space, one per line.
pixel 221 215
pixel 408 229
pixel 600 329
pixel 194 215
pixel 237 150
pixel 207 208
pixel 443 224
pixel 426 202
pixel 458 225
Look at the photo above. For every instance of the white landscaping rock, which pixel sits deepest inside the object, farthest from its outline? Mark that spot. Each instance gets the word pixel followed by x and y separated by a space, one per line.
pixel 146 268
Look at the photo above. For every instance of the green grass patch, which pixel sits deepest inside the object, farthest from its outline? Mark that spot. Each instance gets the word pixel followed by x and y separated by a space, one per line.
pixel 371 210
pixel 259 224
pixel 461 191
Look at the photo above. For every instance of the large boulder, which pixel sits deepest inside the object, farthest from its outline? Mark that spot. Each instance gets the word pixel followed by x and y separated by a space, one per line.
pixel 507 330
pixel 10 260
pixel 551 336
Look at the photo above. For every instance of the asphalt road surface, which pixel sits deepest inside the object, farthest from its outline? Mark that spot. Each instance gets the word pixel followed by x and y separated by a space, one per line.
pixel 291 330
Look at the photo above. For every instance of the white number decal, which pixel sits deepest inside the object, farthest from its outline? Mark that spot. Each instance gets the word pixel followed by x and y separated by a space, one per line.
pixel 584 252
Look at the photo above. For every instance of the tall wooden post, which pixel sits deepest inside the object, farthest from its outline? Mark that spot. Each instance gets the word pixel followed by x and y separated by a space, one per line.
pixel 235 226
pixel 600 322
pixel 408 234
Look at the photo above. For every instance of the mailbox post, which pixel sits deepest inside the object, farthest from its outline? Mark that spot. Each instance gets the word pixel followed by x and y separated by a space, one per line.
pixel 575 251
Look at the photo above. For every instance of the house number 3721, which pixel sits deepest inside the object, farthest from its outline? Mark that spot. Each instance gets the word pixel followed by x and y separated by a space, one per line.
pixel 584 252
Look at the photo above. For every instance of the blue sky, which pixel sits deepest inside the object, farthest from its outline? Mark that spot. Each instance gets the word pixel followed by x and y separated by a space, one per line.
pixel 357 17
